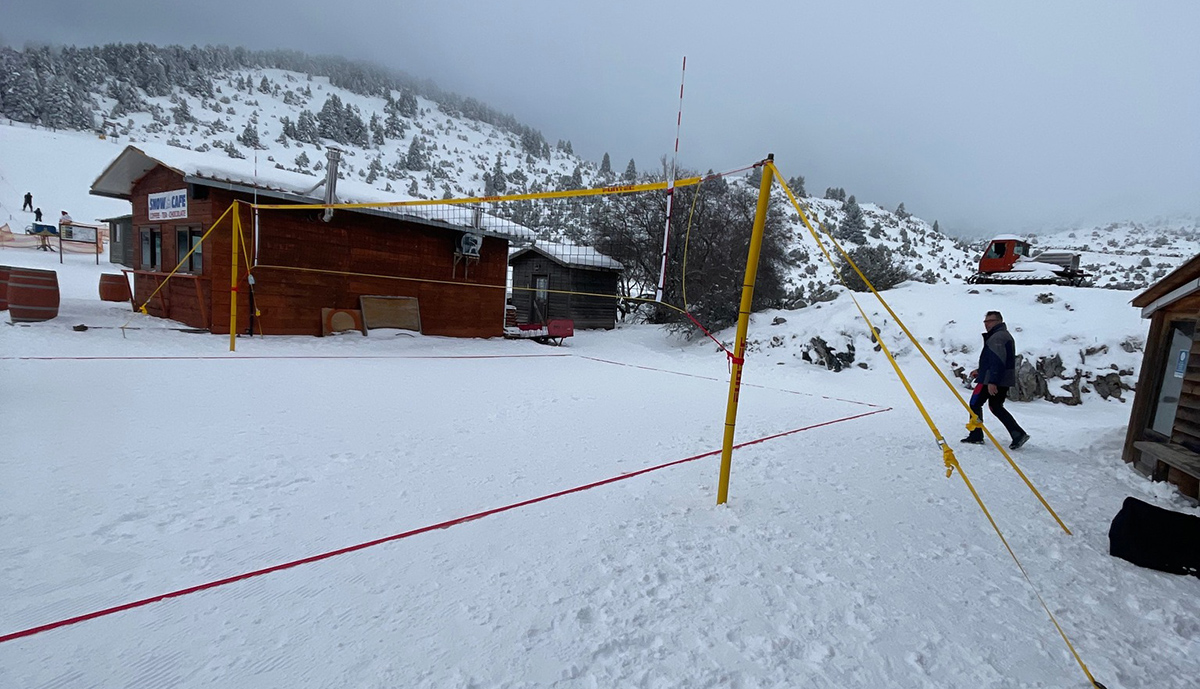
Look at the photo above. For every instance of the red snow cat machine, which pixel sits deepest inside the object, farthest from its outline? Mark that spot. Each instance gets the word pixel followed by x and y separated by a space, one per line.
pixel 1008 261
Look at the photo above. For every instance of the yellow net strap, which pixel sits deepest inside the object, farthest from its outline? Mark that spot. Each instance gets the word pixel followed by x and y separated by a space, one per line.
pixel 570 193
pixel 975 421
pixel 948 458
pixel 183 260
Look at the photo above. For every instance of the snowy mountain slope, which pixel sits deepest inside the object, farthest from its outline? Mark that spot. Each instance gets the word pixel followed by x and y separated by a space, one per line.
pixel 409 140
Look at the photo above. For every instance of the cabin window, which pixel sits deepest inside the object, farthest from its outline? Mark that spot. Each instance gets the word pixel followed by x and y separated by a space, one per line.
pixel 151 248
pixel 199 192
pixel 1021 249
pixel 185 239
pixel 996 250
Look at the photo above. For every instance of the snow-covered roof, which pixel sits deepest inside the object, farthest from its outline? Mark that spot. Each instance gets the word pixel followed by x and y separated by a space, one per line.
pixel 1008 238
pixel 119 178
pixel 574 255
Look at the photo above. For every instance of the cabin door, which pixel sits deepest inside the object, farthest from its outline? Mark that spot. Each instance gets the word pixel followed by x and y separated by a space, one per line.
pixel 539 306
pixel 1172 380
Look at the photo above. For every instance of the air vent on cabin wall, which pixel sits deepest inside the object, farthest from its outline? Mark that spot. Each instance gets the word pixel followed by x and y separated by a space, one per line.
pixel 469 244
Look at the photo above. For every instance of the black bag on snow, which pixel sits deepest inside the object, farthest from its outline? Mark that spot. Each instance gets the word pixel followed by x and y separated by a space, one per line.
pixel 1157 538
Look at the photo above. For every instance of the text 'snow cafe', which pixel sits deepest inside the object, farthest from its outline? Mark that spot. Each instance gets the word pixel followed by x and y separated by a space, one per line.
pixel 168 205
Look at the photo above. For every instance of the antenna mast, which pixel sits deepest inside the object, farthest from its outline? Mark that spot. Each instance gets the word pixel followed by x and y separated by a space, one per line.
pixel 662 271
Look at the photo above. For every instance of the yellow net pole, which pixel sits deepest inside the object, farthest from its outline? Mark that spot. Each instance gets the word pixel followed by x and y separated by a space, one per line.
pixel 739 345
pixel 233 277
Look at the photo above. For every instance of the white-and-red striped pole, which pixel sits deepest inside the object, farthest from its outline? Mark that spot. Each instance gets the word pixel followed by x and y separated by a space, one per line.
pixel 662 271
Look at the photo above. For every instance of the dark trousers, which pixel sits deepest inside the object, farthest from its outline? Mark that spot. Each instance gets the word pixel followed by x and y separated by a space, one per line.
pixel 27 206
pixel 996 404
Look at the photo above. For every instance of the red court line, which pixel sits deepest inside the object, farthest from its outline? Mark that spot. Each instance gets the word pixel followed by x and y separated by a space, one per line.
pixel 720 380
pixel 395 537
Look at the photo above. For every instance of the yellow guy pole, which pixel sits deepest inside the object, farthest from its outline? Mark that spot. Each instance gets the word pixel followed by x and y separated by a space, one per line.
pixel 739 346
pixel 233 277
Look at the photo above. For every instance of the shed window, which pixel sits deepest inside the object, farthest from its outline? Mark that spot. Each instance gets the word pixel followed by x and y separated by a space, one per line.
pixel 151 248
pixel 185 239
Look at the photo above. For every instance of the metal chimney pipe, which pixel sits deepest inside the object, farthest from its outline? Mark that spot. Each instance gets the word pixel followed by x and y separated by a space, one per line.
pixel 333 155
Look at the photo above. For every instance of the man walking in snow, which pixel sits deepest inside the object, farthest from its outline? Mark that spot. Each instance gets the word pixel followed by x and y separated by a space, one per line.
pixel 997 373
pixel 28 205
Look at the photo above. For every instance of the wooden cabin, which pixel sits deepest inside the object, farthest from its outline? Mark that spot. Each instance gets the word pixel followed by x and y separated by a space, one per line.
pixel 1163 439
pixel 120 243
pixel 303 260
pixel 553 281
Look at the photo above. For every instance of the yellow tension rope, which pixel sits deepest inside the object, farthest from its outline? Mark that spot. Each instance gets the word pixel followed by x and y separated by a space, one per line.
pixel 183 260
pixel 975 422
pixel 948 457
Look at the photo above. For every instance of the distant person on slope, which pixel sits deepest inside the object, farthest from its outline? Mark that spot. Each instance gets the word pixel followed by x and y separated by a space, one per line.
pixel 65 219
pixel 37 214
pixel 997 373
pixel 28 205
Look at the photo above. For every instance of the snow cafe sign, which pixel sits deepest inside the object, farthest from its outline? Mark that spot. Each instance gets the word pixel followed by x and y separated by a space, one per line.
pixel 168 205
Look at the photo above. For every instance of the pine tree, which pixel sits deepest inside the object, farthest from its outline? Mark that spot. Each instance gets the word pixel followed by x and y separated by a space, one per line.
pixel 415 160
pixel 796 184
pixel 376 131
pixel 498 179
pixel 249 136
pixel 302 161
pixel 878 263
pixel 935 227
pixel 374 170
pixel 853 227
pixel 329 120
pixel 181 113
pixel 264 86
pixel 630 172
pixel 306 127
pixel 901 212
pixel 605 165
pixel 393 126
pixel 407 104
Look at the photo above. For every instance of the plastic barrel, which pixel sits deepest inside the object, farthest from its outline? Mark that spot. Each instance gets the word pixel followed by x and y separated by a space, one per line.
pixel 114 287
pixel 4 271
pixel 32 295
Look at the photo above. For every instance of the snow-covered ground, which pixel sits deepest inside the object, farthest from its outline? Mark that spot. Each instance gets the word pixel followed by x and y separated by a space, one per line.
pixel 145 460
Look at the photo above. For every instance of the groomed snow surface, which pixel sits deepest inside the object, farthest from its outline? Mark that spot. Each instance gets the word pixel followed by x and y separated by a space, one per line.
pixel 844 558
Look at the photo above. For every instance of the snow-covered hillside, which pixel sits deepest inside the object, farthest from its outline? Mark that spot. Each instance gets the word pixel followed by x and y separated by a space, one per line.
pixel 138 460
pixel 410 140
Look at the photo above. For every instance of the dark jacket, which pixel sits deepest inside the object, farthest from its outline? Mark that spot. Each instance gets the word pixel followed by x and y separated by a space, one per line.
pixel 998 360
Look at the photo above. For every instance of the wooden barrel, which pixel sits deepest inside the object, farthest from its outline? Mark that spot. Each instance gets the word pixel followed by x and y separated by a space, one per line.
pixel 32 295
pixel 114 287
pixel 4 271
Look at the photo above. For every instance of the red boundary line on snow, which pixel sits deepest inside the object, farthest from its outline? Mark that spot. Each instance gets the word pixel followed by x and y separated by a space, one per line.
pixel 395 537
pixel 745 385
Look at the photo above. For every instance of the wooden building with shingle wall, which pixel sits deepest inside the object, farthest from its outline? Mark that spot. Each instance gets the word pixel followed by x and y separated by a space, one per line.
pixel 303 264
pixel 1163 438
pixel 565 281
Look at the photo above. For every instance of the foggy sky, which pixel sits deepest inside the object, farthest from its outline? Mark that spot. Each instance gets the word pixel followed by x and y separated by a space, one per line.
pixel 989 117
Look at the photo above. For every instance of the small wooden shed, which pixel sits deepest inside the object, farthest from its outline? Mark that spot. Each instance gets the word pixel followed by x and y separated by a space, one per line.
pixel 120 240
pixel 305 262
pixel 1163 439
pixel 552 280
